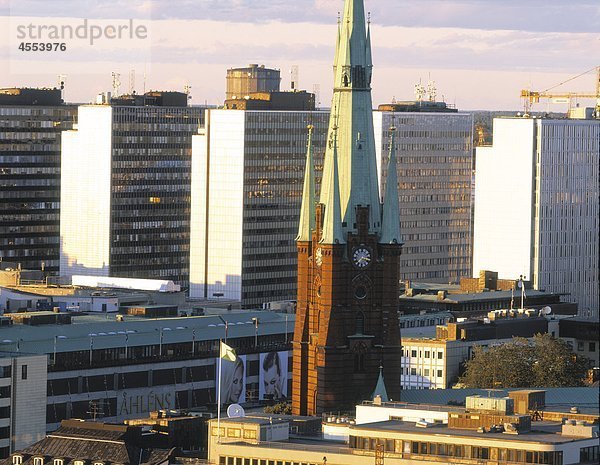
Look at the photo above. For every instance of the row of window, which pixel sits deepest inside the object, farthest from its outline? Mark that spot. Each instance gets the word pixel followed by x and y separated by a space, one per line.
pixel 443 450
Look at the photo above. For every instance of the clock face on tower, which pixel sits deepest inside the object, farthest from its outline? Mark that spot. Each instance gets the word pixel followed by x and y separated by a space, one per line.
pixel 361 257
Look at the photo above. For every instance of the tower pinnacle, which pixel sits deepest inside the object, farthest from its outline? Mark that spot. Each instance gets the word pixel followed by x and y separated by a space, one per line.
pixel 390 227
pixel 307 212
pixel 353 121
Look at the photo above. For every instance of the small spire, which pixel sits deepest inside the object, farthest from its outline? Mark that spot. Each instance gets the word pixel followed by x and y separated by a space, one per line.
pixel 332 220
pixel 307 211
pixel 380 389
pixel 390 223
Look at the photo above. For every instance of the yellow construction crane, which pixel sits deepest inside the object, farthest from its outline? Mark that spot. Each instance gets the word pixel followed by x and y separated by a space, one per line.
pixel 530 97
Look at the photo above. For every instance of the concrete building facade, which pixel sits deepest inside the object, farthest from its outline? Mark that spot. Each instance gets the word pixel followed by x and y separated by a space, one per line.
pixel 537 206
pixel 23 380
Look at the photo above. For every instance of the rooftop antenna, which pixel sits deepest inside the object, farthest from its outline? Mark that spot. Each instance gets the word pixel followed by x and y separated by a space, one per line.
pixel 522 286
pixel 317 92
pixel 61 85
pixel 132 82
pixel 420 91
pixel 431 90
pixel 294 78
pixel 188 91
pixel 116 83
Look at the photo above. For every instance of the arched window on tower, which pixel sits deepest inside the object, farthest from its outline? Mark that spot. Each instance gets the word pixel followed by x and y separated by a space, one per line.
pixel 360 351
pixel 360 323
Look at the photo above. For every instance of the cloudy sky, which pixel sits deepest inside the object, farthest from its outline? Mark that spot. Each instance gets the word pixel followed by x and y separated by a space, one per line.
pixel 480 53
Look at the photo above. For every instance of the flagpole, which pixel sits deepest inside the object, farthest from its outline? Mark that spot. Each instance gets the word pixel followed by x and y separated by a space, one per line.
pixel 219 398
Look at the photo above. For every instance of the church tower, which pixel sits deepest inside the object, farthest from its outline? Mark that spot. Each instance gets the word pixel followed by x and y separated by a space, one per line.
pixel 349 247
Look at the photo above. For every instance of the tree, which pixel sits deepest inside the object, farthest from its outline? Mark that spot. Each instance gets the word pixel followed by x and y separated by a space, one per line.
pixel 283 408
pixel 541 362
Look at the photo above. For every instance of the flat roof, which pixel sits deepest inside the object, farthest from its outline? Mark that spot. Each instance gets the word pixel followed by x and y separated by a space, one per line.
pixel 107 332
pixel 542 432
pixel 473 297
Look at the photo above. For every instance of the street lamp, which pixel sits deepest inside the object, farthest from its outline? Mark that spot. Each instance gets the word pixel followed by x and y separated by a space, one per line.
pixel 255 321
pixel 160 343
pixel 56 338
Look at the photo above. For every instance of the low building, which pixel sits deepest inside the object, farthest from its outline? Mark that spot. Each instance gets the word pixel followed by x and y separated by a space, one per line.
pixel 435 363
pixel 419 297
pixel 81 443
pixel 23 379
pixel 405 443
pixel 86 294
pixel 119 367
pixel 581 334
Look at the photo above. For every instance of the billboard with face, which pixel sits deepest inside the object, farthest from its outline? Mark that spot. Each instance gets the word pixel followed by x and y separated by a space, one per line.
pixel 273 370
pixel 233 380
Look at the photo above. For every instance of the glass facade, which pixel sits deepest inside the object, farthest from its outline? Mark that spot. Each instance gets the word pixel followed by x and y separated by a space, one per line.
pixel 253 162
pixel 150 198
pixel 434 160
pixel 274 159
pixel 126 202
pixel 30 138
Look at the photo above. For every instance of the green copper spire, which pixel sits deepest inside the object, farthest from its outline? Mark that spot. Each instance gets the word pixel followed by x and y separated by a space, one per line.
pixel 380 389
pixel 332 219
pixel 390 224
pixel 353 120
pixel 307 212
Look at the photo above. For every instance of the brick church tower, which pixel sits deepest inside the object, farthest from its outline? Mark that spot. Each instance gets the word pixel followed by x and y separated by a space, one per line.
pixel 349 247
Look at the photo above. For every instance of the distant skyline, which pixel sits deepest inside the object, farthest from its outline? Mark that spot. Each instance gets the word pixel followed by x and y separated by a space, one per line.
pixel 480 53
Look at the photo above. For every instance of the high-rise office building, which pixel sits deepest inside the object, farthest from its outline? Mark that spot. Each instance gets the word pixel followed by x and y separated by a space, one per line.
pixel 31 124
pixel 247 176
pixel 265 151
pixel 253 78
pixel 347 335
pixel 435 154
pixel 126 177
pixel 537 207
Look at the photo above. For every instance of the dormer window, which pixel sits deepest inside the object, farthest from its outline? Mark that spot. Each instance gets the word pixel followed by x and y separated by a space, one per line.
pixel 78 462
pixel 38 461
pixel 58 462
pixel 17 459
pixel 98 463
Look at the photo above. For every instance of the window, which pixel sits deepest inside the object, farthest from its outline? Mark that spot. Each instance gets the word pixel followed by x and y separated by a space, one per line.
pixel 413 353
pixel 426 372
pixel 38 461
pixel 589 454
pixel 78 462
pixel 592 347
pixel 58 462
pixel 24 372
pixel 234 433
pixel 427 354
pixel 17 459
pixel 440 355
pixel 580 346
pixel 439 373
pixel 249 434
pixel 413 371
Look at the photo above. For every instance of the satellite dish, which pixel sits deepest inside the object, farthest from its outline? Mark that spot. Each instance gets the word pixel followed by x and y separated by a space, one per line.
pixel 235 411
pixel 546 310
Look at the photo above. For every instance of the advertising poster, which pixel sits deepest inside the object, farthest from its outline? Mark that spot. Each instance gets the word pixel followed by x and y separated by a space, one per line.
pixel 233 380
pixel 273 371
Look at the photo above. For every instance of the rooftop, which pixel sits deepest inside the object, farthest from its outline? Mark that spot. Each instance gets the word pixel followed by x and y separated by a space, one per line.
pixel 107 332
pixel 541 432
